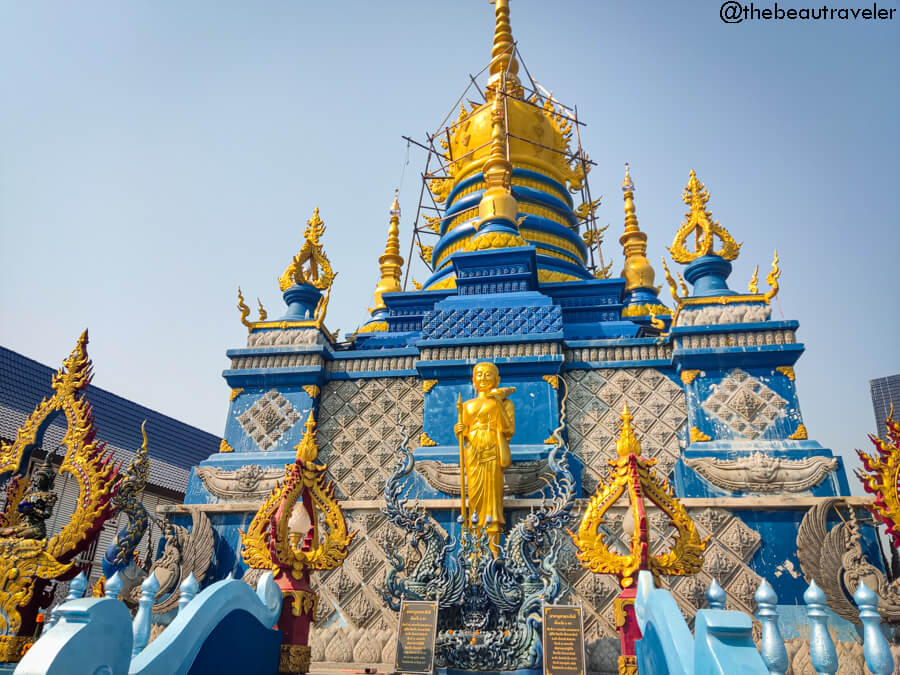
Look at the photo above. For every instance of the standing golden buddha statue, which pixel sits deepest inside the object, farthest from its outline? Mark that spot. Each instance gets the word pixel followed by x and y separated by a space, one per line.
pixel 485 424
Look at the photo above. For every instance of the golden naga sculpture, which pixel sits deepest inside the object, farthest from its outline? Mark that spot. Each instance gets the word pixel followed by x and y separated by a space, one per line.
pixel 28 558
pixel 699 222
pixel 881 477
pixel 485 425
pixel 634 477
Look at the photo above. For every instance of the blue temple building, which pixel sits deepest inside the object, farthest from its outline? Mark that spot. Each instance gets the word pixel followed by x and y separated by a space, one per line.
pixel 515 280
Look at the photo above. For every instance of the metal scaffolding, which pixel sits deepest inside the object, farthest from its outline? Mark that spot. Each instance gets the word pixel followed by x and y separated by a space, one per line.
pixel 436 167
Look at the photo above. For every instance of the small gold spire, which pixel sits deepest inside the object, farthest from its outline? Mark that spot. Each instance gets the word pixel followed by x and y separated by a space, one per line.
pixel 504 67
pixel 638 272
pixel 308 447
pixel 698 221
pixel 390 262
pixel 627 444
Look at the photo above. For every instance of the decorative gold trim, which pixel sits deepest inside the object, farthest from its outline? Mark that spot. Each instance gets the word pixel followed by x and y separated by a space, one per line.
pixel 646 310
pixel 263 314
pixel 552 277
pixel 620 616
pixel 244 310
pixel 225 447
pixel 311 390
pixel 13 647
pixel 753 286
pixel 800 434
pixel 787 371
pixel 688 376
pixel 374 327
pixel 235 393
pixel 426 441
pixel 493 240
pixel 552 380
pixel 772 279
pixel 294 659
pixel 698 436
pixel 550 441
pixel 428 385
pixel 628 665
pixel 302 602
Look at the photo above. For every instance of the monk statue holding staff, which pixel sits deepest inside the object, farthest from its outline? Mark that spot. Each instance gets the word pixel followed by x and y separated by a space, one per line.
pixel 485 425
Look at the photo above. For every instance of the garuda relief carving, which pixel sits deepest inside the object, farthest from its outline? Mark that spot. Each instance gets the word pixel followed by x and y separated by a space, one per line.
pixel 835 559
pixel 251 482
pixel 522 478
pixel 762 473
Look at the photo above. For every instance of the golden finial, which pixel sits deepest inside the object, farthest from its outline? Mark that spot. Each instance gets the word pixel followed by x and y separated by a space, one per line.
pixel 263 314
pixel 245 311
pixel 390 262
pixel 308 447
pixel 504 67
pixel 699 222
pixel 497 200
pixel 772 279
pixel 310 265
pixel 627 444
pixel 753 286
pixel 637 271
pixel 673 289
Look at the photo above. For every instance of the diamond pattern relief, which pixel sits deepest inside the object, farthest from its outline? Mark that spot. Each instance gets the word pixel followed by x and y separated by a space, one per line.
pixel 595 404
pixel 746 405
pixel 360 434
pixel 267 420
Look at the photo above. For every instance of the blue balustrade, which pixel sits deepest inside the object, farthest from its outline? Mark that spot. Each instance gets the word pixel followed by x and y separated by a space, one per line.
pixel 821 647
pixel 879 659
pixel 771 646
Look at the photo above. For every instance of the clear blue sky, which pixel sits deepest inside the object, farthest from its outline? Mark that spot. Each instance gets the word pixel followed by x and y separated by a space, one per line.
pixel 154 155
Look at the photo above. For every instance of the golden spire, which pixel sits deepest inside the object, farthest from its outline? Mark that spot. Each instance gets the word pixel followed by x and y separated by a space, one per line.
pixel 638 272
pixel 390 262
pixel 699 222
pixel 497 200
pixel 627 444
pixel 503 66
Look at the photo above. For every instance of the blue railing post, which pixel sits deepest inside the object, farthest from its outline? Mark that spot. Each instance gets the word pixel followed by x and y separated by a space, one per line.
pixel 879 659
pixel 771 646
pixel 715 596
pixel 141 624
pixel 187 591
pixel 75 591
pixel 113 587
pixel 821 647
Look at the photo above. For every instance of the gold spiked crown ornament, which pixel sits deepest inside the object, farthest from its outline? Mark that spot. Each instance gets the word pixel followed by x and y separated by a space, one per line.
pixel 633 477
pixel 268 542
pixel 698 221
